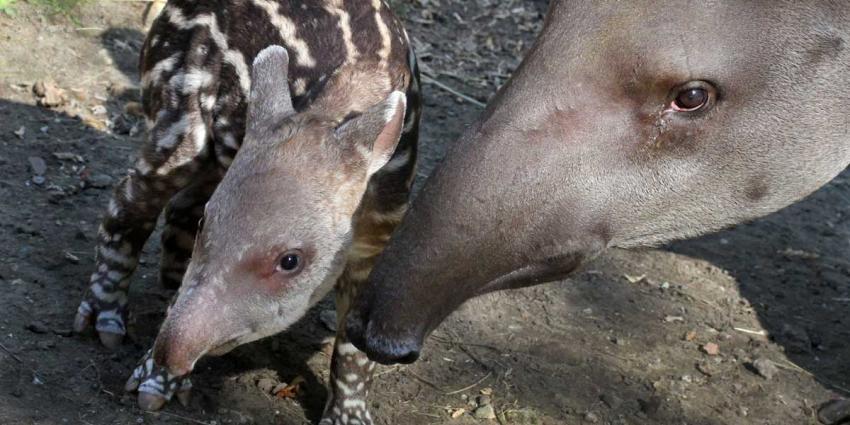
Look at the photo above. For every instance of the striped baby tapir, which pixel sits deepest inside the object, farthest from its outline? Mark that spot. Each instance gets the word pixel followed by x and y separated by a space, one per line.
pixel 282 145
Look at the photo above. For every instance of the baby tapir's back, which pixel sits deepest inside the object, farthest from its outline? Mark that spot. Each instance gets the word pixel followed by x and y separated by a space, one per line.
pixel 198 54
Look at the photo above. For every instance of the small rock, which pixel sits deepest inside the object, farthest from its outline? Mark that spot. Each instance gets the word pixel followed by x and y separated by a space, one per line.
pixel 36 327
pixel 665 285
pixel 72 258
pixel 591 417
pixel 483 400
pixel 834 412
pixel 690 336
pixel 765 367
pixel 671 319
pixel 711 349
pixel 266 385
pixel 134 109
pixel 20 132
pixel 485 412
pixel 37 165
pixel 39 180
pixel 98 110
pixel 49 95
pixel 68 156
pixel 611 400
pixel 66 332
pixel 328 318
pixel 651 406
pixel 100 181
pixel 17 282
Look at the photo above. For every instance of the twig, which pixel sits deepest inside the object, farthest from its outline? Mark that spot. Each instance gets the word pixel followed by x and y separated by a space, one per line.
pixel 187 419
pixel 443 390
pixel 750 331
pixel 470 99
pixel 471 386
pixel 13 356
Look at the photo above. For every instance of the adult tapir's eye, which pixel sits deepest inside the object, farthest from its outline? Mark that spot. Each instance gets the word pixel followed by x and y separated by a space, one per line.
pixel 693 96
pixel 290 262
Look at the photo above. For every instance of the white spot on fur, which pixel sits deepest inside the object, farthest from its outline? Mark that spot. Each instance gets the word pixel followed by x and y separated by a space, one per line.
pixel 346 349
pixel 194 80
pixel 351 377
pixel 353 404
pixel 114 256
pixel 154 75
pixel 172 135
pixel 384 52
pixel 336 9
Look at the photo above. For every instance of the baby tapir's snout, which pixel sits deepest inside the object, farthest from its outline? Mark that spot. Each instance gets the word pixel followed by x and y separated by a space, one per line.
pixel 198 323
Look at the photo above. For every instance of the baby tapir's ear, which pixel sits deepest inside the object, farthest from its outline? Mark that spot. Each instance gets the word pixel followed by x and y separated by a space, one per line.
pixel 377 131
pixel 270 96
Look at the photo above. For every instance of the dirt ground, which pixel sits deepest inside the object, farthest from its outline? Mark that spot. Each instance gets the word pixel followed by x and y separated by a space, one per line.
pixel 666 336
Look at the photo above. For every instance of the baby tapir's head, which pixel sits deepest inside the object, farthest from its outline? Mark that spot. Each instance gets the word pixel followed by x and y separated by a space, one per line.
pixel 276 230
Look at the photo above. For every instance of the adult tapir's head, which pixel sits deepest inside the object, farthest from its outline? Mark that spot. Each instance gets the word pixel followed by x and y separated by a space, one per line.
pixel 628 123
pixel 276 230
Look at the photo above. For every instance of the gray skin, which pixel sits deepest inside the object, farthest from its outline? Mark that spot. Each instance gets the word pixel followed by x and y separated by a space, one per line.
pixel 587 147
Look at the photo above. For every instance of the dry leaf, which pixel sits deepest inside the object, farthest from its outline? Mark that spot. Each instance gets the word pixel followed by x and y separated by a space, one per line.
pixel 456 413
pixel 634 279
pixel 290 390
pixel 711 349
pixel 690 336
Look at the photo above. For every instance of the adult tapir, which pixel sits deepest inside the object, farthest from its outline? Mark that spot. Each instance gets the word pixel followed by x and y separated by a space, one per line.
pixel 628 124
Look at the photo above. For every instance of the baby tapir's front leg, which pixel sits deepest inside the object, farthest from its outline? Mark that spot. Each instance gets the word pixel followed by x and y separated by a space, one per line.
pixel 351 370
pixel 131 217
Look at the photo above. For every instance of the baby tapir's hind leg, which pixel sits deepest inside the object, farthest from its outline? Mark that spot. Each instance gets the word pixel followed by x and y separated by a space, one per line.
pixel 168 161
pixel 351 369
pixel 182 217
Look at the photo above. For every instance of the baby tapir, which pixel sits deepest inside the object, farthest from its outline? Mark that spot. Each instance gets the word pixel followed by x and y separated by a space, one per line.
pixel 321 101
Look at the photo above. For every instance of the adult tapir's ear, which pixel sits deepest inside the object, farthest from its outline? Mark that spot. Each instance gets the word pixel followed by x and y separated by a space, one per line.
pixel 270 95
pixel 377 131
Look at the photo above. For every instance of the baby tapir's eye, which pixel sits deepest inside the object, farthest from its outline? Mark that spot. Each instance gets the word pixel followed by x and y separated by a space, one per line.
pixel 693 96
pixel 290 262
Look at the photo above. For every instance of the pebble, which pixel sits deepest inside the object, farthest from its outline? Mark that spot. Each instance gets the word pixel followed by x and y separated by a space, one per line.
pixel 611 400
pixel 765 367
pixel 37 165
pixel 483 400
pixel 39 180
pixel 591 417
pixel 100 181
pixel 485 412
pixel 834 411
pixel 711 349
pixel 36 327
pixel 266 385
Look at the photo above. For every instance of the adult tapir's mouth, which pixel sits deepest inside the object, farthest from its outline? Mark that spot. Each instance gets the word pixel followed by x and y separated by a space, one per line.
pixel 549 270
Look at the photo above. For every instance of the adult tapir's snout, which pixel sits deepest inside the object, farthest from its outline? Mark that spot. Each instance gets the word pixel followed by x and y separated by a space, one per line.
pixel 378 344
pixel 627 124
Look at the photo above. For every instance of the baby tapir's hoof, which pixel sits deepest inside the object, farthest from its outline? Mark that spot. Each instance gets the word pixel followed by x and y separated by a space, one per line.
pixel 156 386
pixel 109 320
